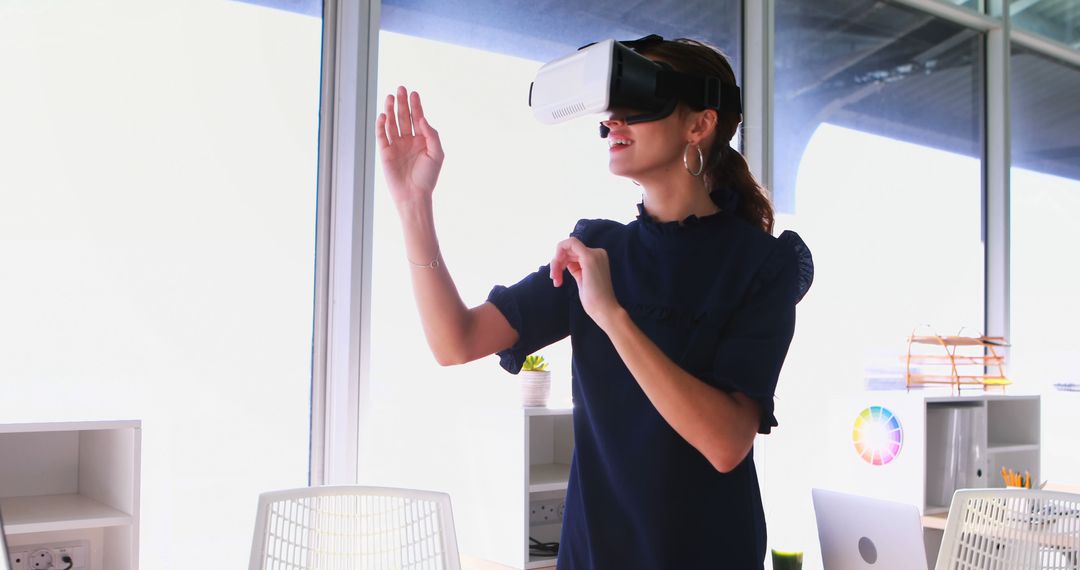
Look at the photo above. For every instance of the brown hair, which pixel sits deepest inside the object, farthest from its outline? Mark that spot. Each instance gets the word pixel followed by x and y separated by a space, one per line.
pixel 725 167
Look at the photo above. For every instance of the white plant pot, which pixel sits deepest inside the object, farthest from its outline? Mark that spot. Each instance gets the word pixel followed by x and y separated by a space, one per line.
pixel 535 388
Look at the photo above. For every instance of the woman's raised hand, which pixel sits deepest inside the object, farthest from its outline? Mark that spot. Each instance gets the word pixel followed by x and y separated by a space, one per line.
pixel 591 269
pixel 412 154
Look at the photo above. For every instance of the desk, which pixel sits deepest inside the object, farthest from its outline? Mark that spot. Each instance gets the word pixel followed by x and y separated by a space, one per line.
pixel 935 522
pixel 472 563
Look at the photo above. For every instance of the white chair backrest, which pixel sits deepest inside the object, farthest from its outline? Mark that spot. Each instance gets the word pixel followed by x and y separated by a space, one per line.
pixel 354 527
pixel 1011 529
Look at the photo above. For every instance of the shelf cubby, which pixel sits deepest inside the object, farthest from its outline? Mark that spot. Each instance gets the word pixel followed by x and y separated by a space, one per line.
pixel 78 478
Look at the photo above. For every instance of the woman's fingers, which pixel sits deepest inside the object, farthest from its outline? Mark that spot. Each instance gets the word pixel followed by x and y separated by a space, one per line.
pixel 380 132
pixel 423 127
pixel 404 116
pixel 432 143
pixel 391 120
pixel 558 264
pixel 417 108
pixel 570 254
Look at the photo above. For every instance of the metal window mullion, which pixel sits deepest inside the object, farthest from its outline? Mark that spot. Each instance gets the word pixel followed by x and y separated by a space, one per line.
pixel 997 166
pixel 319 333
pixel 343 241
pixel 958 14
pixel 757 127
pixel 1045 46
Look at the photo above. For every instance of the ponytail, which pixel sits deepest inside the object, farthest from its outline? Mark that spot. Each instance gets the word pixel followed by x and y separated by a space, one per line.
pixel 727 176
pixel 728 173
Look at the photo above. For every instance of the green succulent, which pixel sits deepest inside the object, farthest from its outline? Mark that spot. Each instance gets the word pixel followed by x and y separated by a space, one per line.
pixel 534 363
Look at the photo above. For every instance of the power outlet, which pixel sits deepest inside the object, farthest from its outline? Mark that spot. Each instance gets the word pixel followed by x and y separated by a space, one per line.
pixel 41 559
pixel 19 559
pixel 51 556
pixel 546 512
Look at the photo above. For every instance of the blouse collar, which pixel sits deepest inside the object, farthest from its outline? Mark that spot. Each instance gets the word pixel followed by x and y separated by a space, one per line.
pixel 688 225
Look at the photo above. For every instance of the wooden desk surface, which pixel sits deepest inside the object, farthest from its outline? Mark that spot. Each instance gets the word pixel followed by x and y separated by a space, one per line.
pixel 470 563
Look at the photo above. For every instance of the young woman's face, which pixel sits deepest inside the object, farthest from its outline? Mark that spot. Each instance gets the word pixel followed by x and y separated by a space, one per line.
pixel 645 150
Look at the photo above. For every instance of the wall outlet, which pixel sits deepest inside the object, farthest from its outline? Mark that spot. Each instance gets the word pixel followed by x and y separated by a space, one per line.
pixel 18 559
pixel 41 559
pixel 546 512
pixel 51 556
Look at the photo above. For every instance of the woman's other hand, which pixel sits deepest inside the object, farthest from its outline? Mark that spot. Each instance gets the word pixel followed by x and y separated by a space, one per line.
pixel 592 271
pixel 411 151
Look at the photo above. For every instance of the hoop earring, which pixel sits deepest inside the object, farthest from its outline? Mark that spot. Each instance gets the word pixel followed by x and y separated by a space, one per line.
pixel 700 158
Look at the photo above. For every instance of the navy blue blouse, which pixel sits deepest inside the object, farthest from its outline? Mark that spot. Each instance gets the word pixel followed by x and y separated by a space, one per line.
pixel 717 295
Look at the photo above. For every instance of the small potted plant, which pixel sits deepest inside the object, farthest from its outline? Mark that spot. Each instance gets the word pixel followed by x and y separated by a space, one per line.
pixel 535 382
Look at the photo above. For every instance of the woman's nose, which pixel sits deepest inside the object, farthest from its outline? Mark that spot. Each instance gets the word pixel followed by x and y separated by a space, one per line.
pixel 613 122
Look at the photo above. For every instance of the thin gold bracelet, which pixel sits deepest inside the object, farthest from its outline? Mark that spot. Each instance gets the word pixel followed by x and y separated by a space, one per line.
pixel 433 265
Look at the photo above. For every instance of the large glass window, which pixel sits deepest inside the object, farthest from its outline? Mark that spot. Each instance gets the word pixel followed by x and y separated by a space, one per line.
pixel 1045 200
pixel 157 223
pixel 878 145
pixel 1058 20
pixel 878 126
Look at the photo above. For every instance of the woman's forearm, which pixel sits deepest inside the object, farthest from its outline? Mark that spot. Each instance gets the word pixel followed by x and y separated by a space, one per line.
pixel 720 425
pixel 444 315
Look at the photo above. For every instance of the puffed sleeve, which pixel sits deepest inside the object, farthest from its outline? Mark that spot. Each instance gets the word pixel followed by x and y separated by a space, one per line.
pixel 537 310
pixel 755 340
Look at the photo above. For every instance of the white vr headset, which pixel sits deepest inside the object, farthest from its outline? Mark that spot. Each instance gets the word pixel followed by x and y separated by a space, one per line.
pixel 610 75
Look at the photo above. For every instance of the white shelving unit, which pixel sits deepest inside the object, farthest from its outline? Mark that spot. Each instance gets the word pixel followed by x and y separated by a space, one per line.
pixel 998 432
pixel 73 481
pixel 549 447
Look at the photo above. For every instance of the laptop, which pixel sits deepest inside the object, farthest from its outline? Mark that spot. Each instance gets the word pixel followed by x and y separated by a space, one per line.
pixel 859 533
pixel 5 560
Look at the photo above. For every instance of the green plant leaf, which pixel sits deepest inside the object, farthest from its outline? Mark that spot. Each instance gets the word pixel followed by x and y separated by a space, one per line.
pixel 534 363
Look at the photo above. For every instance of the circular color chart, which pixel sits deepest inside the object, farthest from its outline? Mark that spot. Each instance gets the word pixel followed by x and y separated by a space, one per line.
pixel 878 436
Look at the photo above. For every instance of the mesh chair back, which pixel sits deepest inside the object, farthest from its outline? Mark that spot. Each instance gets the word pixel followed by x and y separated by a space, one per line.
pixel 354 528
pixel 1011 529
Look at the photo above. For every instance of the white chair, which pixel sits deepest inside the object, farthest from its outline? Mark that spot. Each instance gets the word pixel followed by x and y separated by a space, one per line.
pixel 352 527
pixel 1011 529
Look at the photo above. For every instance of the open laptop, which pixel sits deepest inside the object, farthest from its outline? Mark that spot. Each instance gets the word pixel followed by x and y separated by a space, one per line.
pixel 5 560
pixel 862 533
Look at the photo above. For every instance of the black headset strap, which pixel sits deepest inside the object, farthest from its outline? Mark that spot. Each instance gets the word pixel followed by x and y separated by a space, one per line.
pixel 649 40
pixel 702 92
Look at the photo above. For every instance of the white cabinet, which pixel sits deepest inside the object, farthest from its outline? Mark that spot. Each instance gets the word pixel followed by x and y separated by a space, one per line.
pixel 549 447
pixel 64 482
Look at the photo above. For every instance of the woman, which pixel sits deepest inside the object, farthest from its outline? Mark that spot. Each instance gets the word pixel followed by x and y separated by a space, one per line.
pixel 680 322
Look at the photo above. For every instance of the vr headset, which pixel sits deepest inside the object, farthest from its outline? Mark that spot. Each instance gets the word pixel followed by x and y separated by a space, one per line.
pixel 609 75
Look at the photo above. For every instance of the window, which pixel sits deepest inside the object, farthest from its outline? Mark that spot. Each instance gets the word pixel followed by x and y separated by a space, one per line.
pixel 878 143
pixel 157 226
pixel 1045 199
pixel 1055 19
